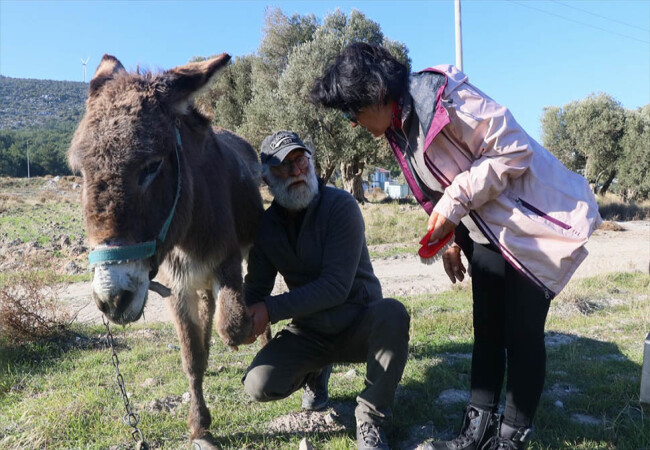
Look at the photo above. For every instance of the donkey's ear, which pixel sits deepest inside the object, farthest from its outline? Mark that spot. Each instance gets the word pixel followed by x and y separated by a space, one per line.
pixel 176 86
pixel 108 67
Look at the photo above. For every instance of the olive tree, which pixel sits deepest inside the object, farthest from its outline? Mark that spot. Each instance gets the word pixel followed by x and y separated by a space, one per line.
pixel 634 164
pixel 587 135
pixel 337 144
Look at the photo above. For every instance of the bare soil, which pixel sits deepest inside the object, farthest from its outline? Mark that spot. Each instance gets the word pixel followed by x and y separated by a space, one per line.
pixel 622 248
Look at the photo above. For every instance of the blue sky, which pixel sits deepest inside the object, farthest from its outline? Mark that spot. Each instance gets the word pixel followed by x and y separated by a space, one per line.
pixel 526 54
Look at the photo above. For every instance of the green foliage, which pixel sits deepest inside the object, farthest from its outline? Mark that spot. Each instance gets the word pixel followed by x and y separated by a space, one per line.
pixel 29 103
pixel 287 107
pixel 38 116
pixel 634 164
pixel 597 125
pixel 599 138
pixel 282 34
pixel 47 146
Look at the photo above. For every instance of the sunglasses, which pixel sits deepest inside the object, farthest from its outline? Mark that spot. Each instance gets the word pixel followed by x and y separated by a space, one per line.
pixel 350 116
pixel 301 162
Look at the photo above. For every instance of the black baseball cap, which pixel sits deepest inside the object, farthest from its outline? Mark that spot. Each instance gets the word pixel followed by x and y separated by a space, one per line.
pixel 278 145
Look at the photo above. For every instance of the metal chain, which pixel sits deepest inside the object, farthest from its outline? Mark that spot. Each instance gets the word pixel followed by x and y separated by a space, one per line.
pixel 130 418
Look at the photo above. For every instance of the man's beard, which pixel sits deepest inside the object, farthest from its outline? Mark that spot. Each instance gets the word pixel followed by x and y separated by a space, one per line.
pixel 294 198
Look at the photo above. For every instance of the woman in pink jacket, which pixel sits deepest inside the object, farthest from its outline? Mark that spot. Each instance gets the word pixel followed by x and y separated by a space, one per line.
pixel 521 218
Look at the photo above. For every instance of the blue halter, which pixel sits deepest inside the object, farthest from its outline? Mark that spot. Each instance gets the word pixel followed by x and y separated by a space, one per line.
pixel 123 253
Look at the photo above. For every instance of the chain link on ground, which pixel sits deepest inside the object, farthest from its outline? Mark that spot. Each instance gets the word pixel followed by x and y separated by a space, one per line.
pixel 130 418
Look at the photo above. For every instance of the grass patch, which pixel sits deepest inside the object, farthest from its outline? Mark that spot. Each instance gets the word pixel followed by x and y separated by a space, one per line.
pixel 63 394
pixel 392 223
pixel 42 222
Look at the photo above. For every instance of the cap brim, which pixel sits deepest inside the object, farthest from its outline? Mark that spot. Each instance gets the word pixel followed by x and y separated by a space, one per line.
pixel 277 158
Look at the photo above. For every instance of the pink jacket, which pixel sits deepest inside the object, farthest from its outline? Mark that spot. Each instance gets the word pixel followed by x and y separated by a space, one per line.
pixel 521 198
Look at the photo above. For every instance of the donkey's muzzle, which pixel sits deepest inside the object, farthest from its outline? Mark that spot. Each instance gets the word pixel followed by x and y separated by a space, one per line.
pixel 120 290
pixel 116 306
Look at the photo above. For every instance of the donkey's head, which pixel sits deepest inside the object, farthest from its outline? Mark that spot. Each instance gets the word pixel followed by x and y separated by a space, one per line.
pixel 126 150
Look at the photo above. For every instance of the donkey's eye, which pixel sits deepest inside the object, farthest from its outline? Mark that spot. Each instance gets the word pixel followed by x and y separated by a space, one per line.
pixel 148 172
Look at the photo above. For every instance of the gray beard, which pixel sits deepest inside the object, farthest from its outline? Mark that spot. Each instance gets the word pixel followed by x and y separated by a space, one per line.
pixel 298 197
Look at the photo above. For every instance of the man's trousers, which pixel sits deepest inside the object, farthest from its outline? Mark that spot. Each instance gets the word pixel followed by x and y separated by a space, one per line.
pixel 379 336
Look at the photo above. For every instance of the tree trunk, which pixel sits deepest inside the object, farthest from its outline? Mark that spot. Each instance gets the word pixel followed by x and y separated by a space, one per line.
pixel 327 173
pixel 608 182
pixel 351 172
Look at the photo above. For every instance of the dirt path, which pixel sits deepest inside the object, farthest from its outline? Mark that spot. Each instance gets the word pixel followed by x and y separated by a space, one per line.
pixel 609 251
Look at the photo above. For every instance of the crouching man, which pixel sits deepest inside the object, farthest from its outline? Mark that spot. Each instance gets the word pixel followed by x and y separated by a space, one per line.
pixel 313 236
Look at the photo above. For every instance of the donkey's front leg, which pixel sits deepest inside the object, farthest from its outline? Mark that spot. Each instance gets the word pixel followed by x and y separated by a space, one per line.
pixel 194 356
pixel 233 322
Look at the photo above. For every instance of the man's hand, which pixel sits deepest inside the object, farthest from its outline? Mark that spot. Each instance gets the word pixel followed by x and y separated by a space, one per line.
pixel 441 226
pixel 453 264
pixel 260 315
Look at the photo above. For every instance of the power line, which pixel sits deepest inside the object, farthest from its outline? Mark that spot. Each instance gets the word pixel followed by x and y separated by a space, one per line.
pixel 579 22
pixel 601 16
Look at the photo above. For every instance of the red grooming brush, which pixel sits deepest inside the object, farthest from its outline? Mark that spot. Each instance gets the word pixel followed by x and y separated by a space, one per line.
pixel 429 250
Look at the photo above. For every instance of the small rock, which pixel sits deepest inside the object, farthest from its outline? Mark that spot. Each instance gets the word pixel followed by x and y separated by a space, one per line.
pixel 453 396
pixel 186 397
pixel 149 382
pixel 350 374
pixel 72 269
pixel 329 418
pixel 77 250
pixel 14 243
pixel 305 445
pixel 559 404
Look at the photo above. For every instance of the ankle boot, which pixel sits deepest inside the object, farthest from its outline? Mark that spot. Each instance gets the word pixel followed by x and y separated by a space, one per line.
pixel 478 426
pixel 509 438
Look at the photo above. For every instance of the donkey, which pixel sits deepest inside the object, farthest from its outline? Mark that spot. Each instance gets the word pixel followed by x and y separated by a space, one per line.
pixel 163 190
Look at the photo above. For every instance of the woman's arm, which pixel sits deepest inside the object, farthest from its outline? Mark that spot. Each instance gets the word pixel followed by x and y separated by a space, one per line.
pixel 500 146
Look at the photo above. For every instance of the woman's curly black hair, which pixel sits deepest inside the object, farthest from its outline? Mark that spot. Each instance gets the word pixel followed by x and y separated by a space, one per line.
pixel 362 75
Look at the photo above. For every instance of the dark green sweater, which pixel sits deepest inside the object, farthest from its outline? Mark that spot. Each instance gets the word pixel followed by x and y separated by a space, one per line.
pixel 328 271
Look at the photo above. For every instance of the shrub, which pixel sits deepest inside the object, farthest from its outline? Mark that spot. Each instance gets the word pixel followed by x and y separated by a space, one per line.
pixel 29 310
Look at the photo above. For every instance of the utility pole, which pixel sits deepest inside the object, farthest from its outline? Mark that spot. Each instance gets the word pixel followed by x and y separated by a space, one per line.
pixel 28 159
pixel 459 36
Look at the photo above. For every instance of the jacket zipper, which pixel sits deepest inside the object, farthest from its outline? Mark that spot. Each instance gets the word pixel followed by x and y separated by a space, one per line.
pixel 542 214
pixel 442 179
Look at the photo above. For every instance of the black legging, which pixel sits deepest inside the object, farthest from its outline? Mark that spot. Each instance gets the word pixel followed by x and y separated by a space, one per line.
pixel 509 317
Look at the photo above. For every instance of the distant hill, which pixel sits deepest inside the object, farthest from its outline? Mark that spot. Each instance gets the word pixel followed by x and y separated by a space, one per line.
pixel 27 103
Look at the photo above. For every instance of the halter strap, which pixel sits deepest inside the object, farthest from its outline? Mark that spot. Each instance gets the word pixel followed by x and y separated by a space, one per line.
pixel 123 253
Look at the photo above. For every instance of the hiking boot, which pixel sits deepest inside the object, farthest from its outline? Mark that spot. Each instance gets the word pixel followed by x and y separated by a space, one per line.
pixel 315 396
pixel 370 436
pixel 478 426
pixel 509 438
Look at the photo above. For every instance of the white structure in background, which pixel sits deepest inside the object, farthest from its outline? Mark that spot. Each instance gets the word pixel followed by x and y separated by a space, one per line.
pixel 380 179
pixel 394 190
pixel 84 64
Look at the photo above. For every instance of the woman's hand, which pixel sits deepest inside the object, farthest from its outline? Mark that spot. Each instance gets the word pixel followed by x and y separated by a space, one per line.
pixel 453 264
pixel 441 226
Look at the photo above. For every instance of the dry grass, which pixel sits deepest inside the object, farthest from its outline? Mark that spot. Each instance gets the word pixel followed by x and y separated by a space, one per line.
pixel 30 311
pixel 612 208
pixel 609 225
